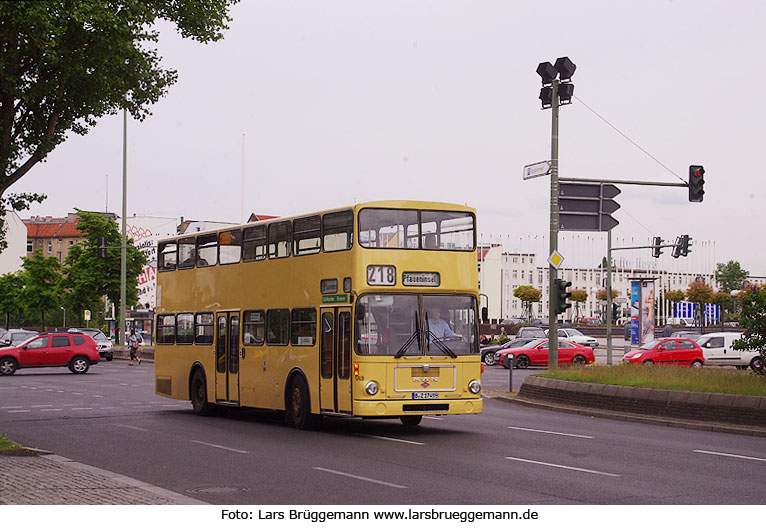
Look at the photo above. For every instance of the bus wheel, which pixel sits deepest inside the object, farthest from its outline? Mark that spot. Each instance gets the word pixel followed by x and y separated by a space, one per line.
pixel 199 395
pixel 411 420
pixel 300 406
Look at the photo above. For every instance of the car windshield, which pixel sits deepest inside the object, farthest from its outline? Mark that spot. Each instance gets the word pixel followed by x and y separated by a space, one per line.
pixel 534 343
pixel 26 338
pixel 395 325
pixel 650 345
pixel 575 332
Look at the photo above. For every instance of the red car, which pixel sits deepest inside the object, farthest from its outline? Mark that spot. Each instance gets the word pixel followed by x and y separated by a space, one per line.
pixel 76 351
pixel 535 353
pixel 669 351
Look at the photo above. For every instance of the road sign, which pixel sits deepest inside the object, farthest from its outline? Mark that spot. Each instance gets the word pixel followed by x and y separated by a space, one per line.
pixel 555 259
pixel 587 206
pixel 541 168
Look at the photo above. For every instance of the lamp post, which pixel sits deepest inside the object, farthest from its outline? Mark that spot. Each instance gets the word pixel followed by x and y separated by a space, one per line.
pixel 63 322
pixel 555 91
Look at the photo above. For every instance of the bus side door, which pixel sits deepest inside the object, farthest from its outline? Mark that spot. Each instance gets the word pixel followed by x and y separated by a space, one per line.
pixel 335 360
pixel 227 357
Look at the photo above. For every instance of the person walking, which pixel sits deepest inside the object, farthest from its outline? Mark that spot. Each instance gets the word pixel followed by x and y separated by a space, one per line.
pixel 134 341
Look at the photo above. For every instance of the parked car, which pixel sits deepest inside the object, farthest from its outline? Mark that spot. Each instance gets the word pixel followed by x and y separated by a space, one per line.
pixel 540 322
pixel 668 351
pixel 688 322
pixel 575 336
pixel 588 321
pixel 535 353
pixel 686 334
pixel 105 346
pixel 513 321
pixel 76 351
pixel 718 350
pixel 16 336
pixel 514 343
pixel 530 331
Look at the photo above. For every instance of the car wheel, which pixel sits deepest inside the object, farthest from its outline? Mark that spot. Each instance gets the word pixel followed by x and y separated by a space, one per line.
pixel 300 405
pixel 649 362
pixel 489 359
pixel 110 356
pixel 8 366
pixel 696 363
pixel 199 395
pixel 579 360
pixel 79 365
pixel 522 362
pixel 411 421
pixel 757 364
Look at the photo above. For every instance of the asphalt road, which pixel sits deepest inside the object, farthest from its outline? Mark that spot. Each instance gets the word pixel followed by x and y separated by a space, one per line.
pixel 110 418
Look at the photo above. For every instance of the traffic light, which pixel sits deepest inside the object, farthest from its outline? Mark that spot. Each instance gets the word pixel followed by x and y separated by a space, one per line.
pixel 686 242
pixel 102 247
pixel 696 183
pixel 656 249
pixel 677 248
pixel 562 295
pixel 546 96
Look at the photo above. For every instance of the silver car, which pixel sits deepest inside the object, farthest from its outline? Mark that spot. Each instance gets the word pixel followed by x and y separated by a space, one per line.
pixel 575 336
pixel 105 346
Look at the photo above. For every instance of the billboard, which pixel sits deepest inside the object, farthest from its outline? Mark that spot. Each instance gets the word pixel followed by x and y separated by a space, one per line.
pixel 642 312
pixel 145 232
pixel 635 322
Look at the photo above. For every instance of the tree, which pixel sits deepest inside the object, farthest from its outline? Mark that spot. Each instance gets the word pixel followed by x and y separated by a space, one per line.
pixel 730 276
pixel 528 295
pixel 11 288
pixel 722 299
pixel 701 294
pixel 89 277
pixel 578 296
pixel 753 320
pixel 675 296
pixel 66 63
pixel 42 284
pixel 601 294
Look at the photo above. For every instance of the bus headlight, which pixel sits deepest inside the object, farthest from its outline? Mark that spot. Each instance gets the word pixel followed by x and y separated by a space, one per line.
pixel 474 387
pixel 371 388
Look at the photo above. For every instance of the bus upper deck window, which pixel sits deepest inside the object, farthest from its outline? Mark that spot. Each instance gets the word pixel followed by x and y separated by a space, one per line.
pixel 337 231
pixel 207 250
pixel 187 250
pixel 254 243
pixel 167 257
pixel 388 228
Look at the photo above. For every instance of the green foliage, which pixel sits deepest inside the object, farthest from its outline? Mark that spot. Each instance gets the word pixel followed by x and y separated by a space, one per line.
pixel 699 292
pixel 578 296
pixel 527 293
pixel 753 320
pixel 601 294
pixel 11 286
pixel 42 285
pixel 89 277
pixel 730 276
pixel 675 296
pixel 16 202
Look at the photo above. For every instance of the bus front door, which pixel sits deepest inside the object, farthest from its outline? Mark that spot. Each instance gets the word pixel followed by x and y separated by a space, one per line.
pixel 227 357
pixel 335 360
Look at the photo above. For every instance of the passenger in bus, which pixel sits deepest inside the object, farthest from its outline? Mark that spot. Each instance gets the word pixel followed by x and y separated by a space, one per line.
pixel 430 242
pixel 438 326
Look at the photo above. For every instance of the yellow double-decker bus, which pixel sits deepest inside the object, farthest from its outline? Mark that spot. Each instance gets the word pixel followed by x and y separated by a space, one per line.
pixel 366 311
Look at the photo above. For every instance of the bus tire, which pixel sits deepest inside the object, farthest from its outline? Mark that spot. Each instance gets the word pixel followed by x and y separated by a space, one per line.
pixel 300 404
pixel 198 395
pixel 411 420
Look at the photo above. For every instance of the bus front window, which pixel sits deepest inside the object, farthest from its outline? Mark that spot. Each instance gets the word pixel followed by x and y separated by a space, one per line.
pixel 450 324
pixel 388 325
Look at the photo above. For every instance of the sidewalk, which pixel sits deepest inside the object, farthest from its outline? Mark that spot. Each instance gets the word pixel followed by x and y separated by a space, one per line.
pixel 31 477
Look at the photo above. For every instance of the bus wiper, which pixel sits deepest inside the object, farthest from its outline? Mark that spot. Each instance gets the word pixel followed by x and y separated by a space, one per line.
pixel 438 342
pixel 413 337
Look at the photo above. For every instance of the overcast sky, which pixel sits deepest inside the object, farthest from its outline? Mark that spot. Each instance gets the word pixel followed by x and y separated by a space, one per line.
pixel 352 101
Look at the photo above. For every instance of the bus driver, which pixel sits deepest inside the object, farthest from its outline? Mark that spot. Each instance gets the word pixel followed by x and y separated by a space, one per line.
pixel 437 326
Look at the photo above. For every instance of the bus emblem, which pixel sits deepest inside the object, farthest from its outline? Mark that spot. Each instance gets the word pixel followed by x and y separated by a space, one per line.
pixel 425 384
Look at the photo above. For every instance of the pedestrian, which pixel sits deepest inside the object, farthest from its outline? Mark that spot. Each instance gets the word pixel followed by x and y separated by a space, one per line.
pixel 134 341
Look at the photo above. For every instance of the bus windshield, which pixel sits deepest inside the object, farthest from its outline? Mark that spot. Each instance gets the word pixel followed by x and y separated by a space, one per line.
pixel 412 229
pixel 412 324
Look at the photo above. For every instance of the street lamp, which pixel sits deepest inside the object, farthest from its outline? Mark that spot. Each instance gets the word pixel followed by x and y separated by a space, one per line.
pixel 63 322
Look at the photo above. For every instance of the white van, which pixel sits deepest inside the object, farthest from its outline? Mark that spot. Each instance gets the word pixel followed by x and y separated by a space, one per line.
pixel 718 350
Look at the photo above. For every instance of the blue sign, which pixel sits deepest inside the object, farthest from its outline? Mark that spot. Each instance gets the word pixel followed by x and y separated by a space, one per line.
pixel 634 313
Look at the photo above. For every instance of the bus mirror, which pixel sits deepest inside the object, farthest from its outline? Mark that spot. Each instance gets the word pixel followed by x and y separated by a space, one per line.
pixel 484 315
pixel 360 312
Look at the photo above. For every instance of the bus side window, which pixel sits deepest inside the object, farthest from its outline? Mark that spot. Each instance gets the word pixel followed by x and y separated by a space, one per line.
pixel 186 253
pixel 337 231
pixel 167 256
pixel 303 329
pixel 229 246
pixel 278 326
pixel 207 250
pixel 254 243
pixel 185 328
pixel 166 329
pixel 306 235
pixel 280 234
pixel 203 328
pixel 253 327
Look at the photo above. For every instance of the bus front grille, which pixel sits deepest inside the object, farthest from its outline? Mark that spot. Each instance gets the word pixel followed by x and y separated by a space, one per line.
pixel 425 407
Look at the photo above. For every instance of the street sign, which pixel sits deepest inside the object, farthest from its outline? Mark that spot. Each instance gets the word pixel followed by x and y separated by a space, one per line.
pixel 541 168
pixel 555 259
pixel 587 206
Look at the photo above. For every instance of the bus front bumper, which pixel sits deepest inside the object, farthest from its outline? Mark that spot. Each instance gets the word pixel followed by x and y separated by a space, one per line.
pixel 401 407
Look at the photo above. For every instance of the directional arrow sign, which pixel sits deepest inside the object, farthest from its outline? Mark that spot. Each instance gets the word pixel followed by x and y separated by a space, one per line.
pixel 587 206
pixel 541 168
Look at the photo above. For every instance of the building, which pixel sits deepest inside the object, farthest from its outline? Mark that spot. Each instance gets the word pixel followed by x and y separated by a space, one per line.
pixel 53 236
pixel 11 258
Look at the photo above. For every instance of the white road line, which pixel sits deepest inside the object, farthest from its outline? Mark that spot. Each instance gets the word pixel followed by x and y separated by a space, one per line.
pixel 563 467
pixel 729 455
pixel 35 406
pixel 392 439
pixel 549 432
pixel 49 410
pixel 77 393
pixel 82 408
pixel 360 478
pixel 134 427
pixel 433 418
pixel 25 410
pixel 12 407
pixel 222 447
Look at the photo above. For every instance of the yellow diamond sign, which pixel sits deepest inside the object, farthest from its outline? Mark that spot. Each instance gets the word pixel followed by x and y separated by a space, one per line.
pixel 555 259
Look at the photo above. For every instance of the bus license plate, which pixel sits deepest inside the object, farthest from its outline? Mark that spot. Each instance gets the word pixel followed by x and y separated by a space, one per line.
pixel 425 395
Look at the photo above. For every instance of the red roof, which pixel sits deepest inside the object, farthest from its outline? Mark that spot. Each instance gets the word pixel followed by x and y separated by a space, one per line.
pixel 53 228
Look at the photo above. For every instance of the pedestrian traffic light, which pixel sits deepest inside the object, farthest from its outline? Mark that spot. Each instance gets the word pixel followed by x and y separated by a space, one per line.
pixel 562 295
pixel 102 247
pixel 696 183
pixel 686 242
pixel 656 249
pixel 546 96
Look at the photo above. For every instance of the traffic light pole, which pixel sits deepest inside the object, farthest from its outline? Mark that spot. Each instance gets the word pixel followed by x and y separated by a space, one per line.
pixel 609 297
pixel 553 339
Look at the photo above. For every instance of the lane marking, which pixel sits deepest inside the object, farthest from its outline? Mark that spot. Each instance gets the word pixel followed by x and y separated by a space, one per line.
pixel 25 410
pixel 564 467
pixel 36 406
pixel 392 439
pixel 358 477
pixel 82 408
pixel 729 455
pixel 222 447
pixel 433 418
pixel 50 410
pixel 133 427
pixel 12 407
pixel 550 432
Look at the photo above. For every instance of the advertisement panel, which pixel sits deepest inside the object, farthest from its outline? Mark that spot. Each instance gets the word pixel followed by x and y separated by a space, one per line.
pixel 647 311
pixel 634 313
